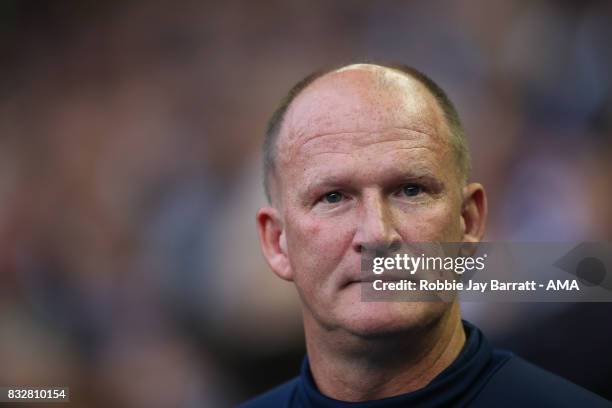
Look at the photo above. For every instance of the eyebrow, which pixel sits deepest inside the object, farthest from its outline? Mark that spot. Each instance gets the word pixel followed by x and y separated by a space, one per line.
pixel 328 181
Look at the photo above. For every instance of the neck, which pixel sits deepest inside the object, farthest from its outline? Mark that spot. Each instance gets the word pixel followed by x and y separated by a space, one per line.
pixel 347 367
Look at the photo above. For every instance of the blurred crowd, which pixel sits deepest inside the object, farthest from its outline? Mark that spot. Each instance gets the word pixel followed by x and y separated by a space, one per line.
pixel 130 131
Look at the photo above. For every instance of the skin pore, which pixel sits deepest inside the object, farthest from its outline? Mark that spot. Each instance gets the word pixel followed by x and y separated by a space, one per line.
pixel 364 158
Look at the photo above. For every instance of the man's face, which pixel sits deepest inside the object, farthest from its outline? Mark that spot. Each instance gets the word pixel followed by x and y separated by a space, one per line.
pixel 363 160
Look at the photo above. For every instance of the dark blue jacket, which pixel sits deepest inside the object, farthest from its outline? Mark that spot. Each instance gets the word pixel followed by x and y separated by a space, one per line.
pixel 479 377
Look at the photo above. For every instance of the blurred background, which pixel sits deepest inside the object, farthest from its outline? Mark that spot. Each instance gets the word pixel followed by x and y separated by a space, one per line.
pixel 130 268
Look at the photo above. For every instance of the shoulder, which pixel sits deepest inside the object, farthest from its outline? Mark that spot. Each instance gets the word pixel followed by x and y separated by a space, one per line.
pixel 520 383
pixel 276 397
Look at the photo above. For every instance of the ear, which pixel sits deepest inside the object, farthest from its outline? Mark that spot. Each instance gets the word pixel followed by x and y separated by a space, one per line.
pixel 274 242
pixel 473 212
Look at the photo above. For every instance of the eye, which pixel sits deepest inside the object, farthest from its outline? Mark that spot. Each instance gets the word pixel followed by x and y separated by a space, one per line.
pixel 411 190
pixel 332 197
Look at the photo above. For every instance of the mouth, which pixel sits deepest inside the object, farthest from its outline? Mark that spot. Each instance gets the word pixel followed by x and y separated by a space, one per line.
pixel 371 278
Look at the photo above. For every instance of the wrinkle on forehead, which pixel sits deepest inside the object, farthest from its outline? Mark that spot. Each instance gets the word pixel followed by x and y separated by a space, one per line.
pixel 422 159
pixel 363 139
pixel 353 143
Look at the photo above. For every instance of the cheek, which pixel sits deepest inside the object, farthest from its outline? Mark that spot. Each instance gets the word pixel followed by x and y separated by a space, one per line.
pixel 439 222
pixel 317 232
pixel 317 244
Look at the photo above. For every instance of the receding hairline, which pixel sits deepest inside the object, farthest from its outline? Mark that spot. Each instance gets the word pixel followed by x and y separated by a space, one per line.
pixel 448 110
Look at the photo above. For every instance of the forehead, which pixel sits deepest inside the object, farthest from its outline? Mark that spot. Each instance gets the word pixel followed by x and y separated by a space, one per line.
pixel 366 158
pixel 357 100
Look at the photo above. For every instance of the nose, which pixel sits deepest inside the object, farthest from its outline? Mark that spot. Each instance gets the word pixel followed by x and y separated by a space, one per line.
pixel 376 230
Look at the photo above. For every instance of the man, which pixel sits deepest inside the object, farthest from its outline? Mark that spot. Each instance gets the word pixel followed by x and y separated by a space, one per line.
pixel 362 157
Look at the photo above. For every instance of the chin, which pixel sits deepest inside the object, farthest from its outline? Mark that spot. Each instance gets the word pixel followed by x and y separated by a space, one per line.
pixel 376 319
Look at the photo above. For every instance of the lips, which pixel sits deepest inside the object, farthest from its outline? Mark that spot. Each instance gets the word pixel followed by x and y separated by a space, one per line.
pixel 358 272
pixel 386 277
